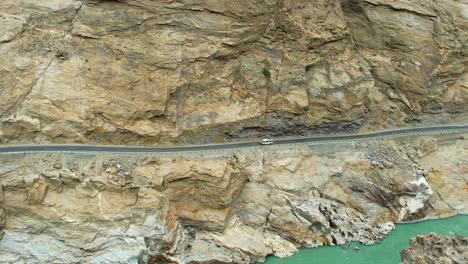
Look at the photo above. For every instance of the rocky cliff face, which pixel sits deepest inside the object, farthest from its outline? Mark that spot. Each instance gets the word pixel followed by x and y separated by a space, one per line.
pixel 230 206
pixel 146 72
pixel 182 71
pixel 436 249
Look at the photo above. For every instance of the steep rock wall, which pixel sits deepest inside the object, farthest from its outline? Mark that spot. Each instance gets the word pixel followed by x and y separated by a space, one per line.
pixel 146 72
pixel 230 206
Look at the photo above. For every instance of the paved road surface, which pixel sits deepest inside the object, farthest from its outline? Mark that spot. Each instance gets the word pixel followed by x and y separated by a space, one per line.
pixel 123 149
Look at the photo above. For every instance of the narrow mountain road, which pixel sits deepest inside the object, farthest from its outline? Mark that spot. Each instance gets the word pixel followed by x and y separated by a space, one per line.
pixel 124 149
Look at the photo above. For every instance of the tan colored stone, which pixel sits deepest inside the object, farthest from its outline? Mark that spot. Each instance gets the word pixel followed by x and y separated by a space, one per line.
pixel 197 215
pixel 37 193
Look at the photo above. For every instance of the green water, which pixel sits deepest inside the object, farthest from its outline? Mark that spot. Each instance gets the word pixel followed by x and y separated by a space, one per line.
pixel 386 252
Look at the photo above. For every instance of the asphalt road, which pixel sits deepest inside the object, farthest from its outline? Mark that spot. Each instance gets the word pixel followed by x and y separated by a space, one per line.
pixel 126 149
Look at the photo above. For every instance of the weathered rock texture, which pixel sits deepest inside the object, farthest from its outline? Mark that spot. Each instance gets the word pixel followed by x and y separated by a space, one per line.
pixel 230 206
pixel 151 71
pixel 433 249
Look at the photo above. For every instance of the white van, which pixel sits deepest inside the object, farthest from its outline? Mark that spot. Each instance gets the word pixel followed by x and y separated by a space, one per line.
pixel 267 141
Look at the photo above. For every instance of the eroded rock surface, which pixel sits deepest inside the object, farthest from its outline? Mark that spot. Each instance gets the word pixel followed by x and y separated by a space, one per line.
pixel 436 249
pixel 147 71
pixel 229 206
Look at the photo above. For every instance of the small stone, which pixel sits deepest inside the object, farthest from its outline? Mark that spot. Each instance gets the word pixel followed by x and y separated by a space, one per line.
pixel 388 164
pixel 122 182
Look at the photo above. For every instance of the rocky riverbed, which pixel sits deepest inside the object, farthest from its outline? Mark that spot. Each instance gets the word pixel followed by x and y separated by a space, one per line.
pixel 236 205
pixel 436 249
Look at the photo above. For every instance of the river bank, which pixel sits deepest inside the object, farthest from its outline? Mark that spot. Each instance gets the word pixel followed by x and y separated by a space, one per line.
pixel 385 252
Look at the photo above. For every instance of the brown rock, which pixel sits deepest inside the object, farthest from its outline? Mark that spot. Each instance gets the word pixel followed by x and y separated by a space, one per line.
pixel 37 193
pixel 436 249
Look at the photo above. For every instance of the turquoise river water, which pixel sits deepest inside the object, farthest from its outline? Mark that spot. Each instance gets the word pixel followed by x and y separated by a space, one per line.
pixel 385 252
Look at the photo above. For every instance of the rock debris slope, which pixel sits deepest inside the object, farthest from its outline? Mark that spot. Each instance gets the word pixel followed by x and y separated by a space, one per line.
pixel 147 71
pixel 230 206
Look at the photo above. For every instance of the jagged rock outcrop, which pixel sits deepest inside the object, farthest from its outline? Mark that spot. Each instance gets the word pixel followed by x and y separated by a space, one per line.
pixel 436 249
pixel 147 71
pixel 226 206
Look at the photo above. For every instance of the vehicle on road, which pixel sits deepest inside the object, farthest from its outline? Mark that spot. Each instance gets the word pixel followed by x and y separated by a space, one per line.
pixel 267 141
